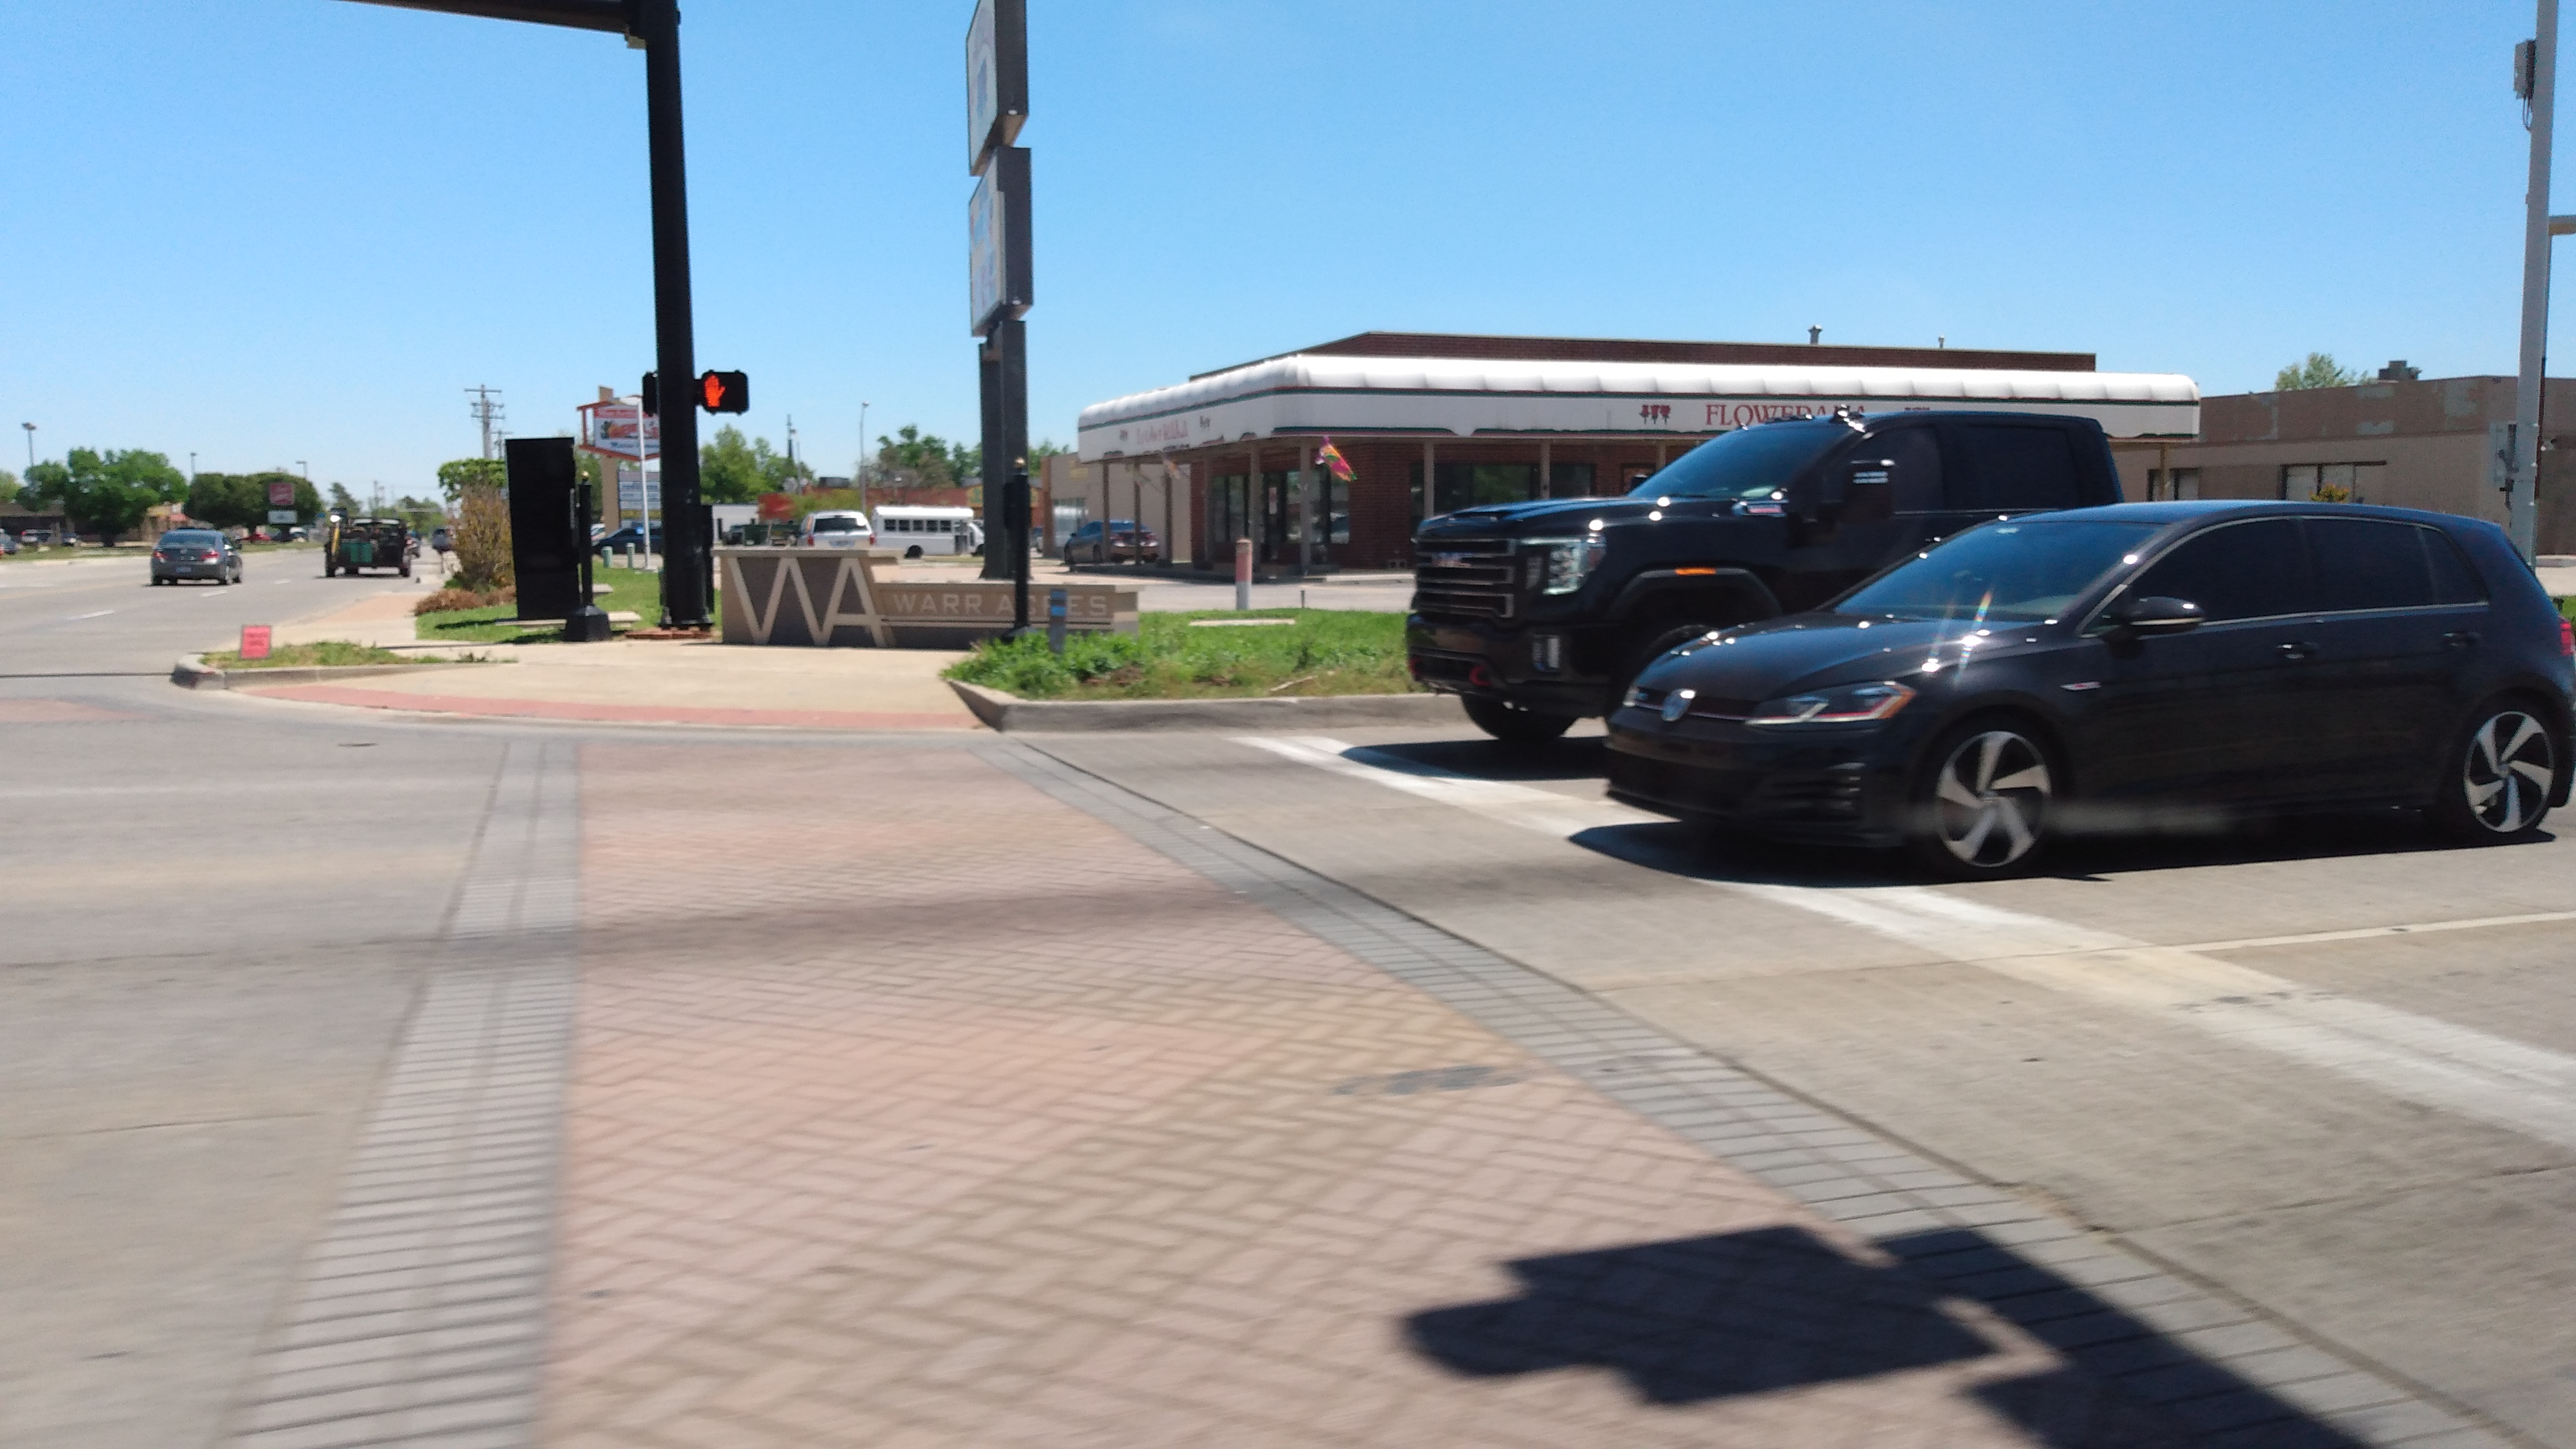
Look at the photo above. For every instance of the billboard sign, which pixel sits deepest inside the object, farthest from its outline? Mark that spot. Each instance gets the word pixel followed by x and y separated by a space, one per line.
pixel 281 495
pixel 636 493
pixel 281 515
pixel 620 430
pixel 997 78
pixel 998 274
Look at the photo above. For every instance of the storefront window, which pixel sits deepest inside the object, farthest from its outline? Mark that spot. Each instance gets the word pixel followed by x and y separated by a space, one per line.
pixel 1229 515
pixel 1569 480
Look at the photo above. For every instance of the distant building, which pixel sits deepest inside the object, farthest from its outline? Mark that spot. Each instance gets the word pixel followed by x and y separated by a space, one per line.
pixel 1431 423
pixel 2398 439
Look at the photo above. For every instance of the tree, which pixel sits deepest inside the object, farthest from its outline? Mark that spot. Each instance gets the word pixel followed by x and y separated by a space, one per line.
pixel 240 500
pixel 915 459
pixel 455 477
pixel 8 486
pixel 2320 370
pixel 423 514
pixel 736 469
pixel 111 491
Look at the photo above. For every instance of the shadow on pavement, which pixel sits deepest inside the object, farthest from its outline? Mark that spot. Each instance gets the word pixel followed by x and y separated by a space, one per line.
pixel 1697 1319
pixel 2178 839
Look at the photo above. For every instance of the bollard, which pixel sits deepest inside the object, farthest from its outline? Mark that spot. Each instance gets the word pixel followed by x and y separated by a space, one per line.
pixel 1242 575
pixel 1055 621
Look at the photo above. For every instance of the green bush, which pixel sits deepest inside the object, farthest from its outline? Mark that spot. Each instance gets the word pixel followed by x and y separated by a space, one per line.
pixel 1323 652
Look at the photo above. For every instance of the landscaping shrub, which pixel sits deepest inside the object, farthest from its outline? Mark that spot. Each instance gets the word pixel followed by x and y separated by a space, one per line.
pixel 482 539
pixel 1324 652
pixel 448 600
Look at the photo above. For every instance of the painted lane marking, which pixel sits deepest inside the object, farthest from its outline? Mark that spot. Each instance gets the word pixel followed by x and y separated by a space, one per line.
pixel 76 618
pixel 2415 1058
pixel 2365 933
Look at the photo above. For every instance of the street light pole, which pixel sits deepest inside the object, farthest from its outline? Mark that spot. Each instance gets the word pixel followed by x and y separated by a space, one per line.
pixel 2539 82
pixel 31 445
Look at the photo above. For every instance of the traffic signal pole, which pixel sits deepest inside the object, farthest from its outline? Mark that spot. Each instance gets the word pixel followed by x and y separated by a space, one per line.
pixel 685 557
pixel 653 25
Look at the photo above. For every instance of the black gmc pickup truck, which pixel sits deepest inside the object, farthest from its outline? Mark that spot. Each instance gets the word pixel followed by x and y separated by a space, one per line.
pixel 1538 614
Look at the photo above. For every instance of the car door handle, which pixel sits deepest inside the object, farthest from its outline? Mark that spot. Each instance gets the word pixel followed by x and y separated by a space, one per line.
pixel 2295 650
pixel 2461 639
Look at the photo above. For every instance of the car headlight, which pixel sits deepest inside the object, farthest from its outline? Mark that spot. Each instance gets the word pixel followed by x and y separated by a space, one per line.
pixel 1560 565
pixel 1841 704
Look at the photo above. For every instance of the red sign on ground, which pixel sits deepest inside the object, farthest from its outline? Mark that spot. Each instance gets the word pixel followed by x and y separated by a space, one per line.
pixel 254 643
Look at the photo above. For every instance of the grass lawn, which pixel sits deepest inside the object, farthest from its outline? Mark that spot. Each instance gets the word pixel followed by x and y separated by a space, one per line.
pixel 637 589
pixel 303 656
pixel 1322 652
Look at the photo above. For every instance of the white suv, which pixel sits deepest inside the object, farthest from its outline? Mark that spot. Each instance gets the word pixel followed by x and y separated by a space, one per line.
pixel 836 529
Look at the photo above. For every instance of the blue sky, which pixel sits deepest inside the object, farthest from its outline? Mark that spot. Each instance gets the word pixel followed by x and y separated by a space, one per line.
pixel 280 230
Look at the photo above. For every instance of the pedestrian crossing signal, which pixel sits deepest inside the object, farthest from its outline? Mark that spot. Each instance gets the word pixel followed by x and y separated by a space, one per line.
pixel 725 392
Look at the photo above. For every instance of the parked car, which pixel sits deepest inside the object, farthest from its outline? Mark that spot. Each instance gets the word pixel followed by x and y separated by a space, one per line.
pixel 2108 666
pixel 1115 540
pixel 836 528
pixel 440 541
pixel 8 545
pixel 1540 613
pixel 37 537
pixel 195 553
pixel 626 540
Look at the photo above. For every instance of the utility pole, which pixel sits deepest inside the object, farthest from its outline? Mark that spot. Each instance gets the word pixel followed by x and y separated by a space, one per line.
pixel 2535 80
pixel 487 410
pixel 31 445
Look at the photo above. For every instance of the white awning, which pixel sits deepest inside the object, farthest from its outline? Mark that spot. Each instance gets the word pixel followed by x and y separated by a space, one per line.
pixel 1308 394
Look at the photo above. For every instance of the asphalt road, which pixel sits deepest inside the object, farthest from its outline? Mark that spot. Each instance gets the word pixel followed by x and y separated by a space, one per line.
pixel 104 616
pixel 2329 1071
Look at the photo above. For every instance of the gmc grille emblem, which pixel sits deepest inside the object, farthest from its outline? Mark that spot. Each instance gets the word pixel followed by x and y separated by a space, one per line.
pixel 1447 560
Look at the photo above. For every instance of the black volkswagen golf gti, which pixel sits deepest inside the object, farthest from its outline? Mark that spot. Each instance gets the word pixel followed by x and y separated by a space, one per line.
pixel 2101 667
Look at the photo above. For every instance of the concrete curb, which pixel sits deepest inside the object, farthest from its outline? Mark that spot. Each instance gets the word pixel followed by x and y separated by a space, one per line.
pixel 1011 714
pixel 194 673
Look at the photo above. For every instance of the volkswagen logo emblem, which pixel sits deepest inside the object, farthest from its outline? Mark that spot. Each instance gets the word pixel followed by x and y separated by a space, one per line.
pixel 1677 704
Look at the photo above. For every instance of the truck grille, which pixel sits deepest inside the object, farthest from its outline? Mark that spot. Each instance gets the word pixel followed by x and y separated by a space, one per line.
pixel 1464 578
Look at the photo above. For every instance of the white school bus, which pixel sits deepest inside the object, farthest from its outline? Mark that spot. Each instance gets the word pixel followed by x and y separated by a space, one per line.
pixel 920 531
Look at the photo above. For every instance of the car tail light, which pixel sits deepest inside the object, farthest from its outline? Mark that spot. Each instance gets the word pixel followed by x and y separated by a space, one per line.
pixel 2567 639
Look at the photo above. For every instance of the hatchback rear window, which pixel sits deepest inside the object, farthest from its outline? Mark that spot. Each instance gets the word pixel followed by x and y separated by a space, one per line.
pixel 836 525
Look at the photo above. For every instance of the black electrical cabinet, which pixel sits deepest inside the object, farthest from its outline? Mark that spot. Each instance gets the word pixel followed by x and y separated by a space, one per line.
pixel 546 546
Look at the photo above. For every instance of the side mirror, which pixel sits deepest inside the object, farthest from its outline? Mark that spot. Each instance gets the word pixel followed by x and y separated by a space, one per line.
pixel 2155 614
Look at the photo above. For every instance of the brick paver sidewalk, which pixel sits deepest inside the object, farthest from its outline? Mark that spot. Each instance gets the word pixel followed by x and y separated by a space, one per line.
pixel 914 1107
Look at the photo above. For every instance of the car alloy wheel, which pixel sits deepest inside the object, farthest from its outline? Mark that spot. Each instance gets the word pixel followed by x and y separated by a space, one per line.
pixel 2510 770
pixel 1990 800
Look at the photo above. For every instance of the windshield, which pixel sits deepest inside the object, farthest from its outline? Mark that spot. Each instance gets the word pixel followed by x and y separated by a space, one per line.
pixel 2031 569
pixel 836 525
pixel 1749 464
